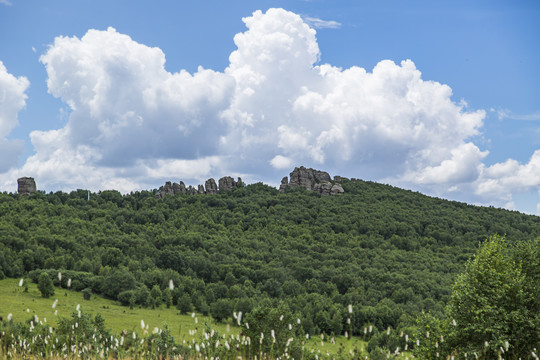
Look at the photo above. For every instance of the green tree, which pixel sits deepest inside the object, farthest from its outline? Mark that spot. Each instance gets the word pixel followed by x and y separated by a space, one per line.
pixel 493 308
pixel 167 297
pixel 45 285
pixel 155 294
pixel 184 304
pixel 221 309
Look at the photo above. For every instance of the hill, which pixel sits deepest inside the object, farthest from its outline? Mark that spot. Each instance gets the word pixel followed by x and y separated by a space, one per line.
pixel 388 252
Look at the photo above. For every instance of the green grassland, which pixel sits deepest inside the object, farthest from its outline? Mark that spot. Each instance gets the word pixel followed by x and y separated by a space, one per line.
pixel 25 305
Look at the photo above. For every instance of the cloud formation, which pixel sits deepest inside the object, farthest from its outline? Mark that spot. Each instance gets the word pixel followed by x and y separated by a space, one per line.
pixel 12 100
pixel 321 24
pixel 133 123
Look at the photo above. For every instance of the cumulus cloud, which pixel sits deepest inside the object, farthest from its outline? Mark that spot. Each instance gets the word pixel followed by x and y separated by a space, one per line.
pixel 133 124
pixel 12 100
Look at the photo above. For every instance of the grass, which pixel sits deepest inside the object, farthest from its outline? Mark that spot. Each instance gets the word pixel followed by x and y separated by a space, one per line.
pixel 25 305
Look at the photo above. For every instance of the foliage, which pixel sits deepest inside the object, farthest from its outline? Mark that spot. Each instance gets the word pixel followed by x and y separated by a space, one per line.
pixel 45 285
pixel 494 308
pixel 388 252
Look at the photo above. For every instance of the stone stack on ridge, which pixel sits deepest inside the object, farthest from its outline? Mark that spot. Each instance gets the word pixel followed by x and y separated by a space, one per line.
pixel 209 187
pixel 26 186
pixel 312 180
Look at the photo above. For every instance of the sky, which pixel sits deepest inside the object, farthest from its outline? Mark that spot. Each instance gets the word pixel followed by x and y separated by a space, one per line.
pixel 441 97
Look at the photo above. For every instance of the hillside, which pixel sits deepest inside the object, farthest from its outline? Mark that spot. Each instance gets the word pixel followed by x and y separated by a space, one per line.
pixel 388 252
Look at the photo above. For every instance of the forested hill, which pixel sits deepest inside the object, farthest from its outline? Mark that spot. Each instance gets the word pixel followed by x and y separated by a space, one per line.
pixel 389 252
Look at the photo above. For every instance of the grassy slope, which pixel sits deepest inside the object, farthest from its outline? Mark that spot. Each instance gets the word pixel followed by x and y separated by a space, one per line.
pixel 24 305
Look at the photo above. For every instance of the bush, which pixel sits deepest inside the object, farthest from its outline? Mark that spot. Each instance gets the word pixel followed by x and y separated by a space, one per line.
pixel 87 293
pixel 45 285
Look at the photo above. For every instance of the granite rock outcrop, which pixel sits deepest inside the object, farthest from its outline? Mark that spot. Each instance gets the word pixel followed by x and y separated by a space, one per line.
pixel 210 187
pixel 313 180
pixel 26 186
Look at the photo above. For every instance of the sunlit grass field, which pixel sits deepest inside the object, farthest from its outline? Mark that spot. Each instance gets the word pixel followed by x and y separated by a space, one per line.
pixel 26 305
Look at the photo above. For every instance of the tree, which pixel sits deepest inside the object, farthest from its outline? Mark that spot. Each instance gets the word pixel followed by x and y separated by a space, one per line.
pixel 184 304
pixel 45 285
pixel 493 308
pixel 221 309
pixel 155 294
pixel 167 297
pixel 87 293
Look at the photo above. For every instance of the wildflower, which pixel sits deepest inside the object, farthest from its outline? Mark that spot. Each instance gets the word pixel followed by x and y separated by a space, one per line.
pixel 171 285
pixel 134 335
pixel 10 316
pixel 56 312
pixel 59 276
pixel 55 303
pixel 427 334
pixel 370 328
pixel 347 334
pixel 290 326
pixel 142 324
pixel 298 321
pixel 192 315
pixel 78 307
pixel 247 326
pixel 69 283
pixel 454 322
pixel 21 282
pixel 388 331
pixel 486 344
pixel 350 308
pixel 417 342
pixel 281 318
pixel 273 333
pixel 349 321
pixel 239 317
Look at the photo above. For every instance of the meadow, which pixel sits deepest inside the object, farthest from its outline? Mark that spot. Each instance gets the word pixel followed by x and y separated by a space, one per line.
pixel 24 304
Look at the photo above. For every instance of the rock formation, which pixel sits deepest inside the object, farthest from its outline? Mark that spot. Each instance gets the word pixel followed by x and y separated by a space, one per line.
pixel 211 186
pixel 313 180
pixel 336 189
pixel 26 186
pixel 228 183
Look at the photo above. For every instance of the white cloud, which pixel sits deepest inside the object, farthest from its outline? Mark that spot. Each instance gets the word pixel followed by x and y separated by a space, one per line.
pixel 12 100
pixel 321 24
pixel 6 2
pixel 281 162
pixel 502 179
pixel 133 124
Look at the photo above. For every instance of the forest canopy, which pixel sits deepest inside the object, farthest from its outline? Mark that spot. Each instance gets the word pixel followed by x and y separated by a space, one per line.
pixel 388 252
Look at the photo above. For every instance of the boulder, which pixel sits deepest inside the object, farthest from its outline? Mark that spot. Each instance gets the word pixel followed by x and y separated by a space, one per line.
pixel 323 188
pixel 227 183
pixel 200 189
pixel 337 189
pixel 284 184
pixel 26 186
pixel 179 188
pixel 340 179
pixel 307 177
pixel 211 186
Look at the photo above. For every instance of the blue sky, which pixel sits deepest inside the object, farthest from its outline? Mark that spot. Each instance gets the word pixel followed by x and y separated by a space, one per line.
pixel 303 102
